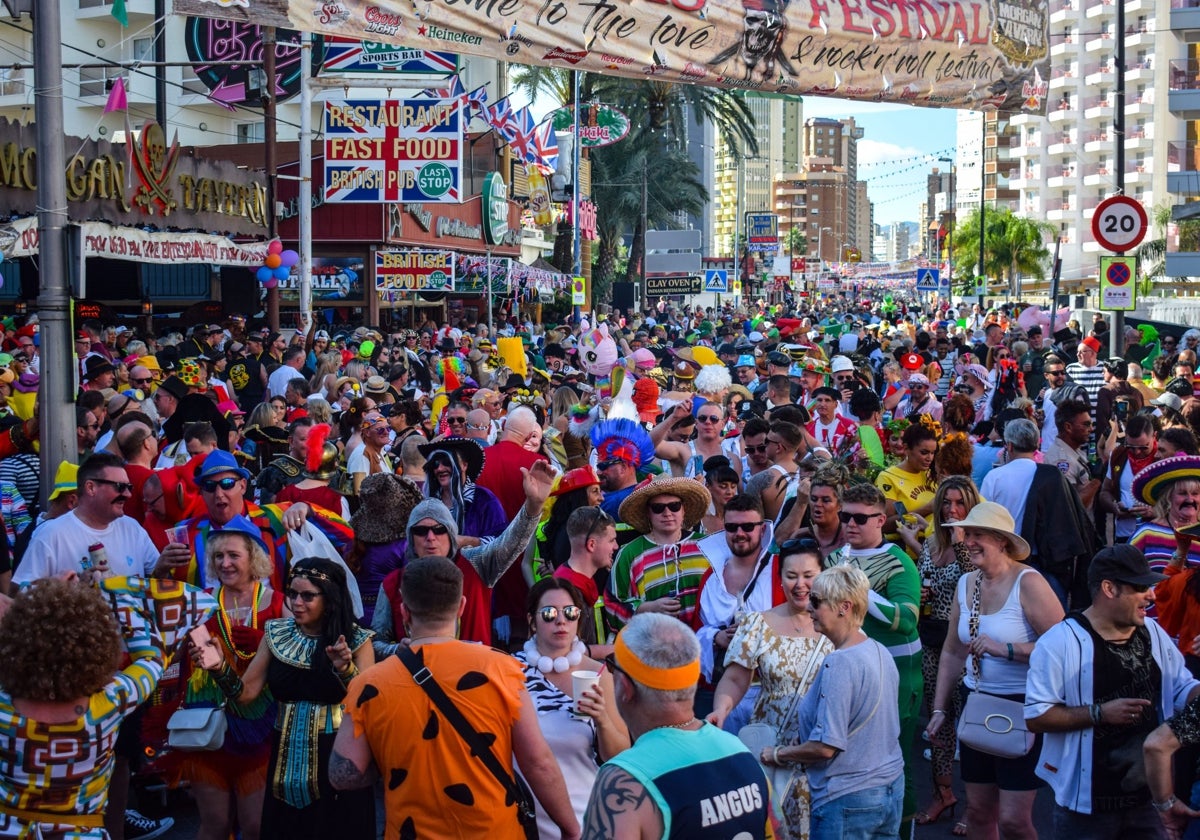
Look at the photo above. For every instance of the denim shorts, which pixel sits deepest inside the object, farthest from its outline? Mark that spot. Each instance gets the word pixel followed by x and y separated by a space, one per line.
pixel 871 814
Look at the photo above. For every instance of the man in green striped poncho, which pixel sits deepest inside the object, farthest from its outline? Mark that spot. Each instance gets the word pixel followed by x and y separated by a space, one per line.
pixel 893 607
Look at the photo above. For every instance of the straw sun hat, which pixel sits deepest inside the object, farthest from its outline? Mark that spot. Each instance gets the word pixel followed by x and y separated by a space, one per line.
pixel 992 516
pixel 635 510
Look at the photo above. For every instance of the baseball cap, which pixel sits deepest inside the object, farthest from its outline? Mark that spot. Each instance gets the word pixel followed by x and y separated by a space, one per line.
pixel 321 335
pixel 840 364
pixel 1124 564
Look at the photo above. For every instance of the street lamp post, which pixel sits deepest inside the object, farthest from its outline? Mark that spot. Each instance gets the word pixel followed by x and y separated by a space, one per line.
pixel 952 210
pixel 821 244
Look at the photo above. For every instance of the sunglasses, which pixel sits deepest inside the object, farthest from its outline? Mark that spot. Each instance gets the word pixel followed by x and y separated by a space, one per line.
pixel 426 530
pixel 123 488
pixel 857 518
pixel 709 418
pixel 306 597
pixel 1056 373
pixel 663 507
pixel 611 462
pixel 211 485
pixel 815 602
pixel 550 614
pixel 802 544
pixel 610 662
pixel 750 450
pixel 455 421
pixel 744 527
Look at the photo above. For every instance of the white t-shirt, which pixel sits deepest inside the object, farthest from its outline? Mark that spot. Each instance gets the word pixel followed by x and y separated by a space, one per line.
pixel 277 383
pixel 1009 486
pixel 61 545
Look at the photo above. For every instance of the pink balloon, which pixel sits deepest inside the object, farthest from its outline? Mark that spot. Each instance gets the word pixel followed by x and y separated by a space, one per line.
pixel 271 284
pixel 288 258
pixel 274 246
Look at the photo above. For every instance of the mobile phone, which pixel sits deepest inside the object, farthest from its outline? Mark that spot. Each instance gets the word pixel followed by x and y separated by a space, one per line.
pixel 900 509
pixel 210 657
pixel 1121 410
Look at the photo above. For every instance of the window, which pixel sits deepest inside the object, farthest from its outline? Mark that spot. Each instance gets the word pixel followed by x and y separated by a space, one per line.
pixel 143 49
pixel 250 132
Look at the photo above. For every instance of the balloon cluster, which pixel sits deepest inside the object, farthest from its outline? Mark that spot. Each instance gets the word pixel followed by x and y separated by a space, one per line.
pixel 277 266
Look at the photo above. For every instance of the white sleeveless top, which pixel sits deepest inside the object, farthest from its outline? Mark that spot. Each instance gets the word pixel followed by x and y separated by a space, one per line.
pixel 1006 625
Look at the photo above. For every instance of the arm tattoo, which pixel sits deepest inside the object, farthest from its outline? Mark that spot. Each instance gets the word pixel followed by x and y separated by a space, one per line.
pixel 345 775
pixel 614 794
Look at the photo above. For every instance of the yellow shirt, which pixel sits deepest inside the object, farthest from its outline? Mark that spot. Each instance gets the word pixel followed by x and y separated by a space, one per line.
pixel 914 490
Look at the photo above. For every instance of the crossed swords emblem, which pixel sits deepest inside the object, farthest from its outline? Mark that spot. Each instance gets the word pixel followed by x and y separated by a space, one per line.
pixel 155 164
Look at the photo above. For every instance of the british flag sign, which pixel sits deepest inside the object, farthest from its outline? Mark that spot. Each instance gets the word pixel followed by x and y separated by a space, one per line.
pixel 403 150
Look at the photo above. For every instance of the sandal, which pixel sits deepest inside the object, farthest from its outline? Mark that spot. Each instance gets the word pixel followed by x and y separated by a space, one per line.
pixel 946 801
pixel 959 830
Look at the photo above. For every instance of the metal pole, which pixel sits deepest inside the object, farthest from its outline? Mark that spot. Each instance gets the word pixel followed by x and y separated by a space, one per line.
pixel 1054 278
pixel 982 205
pixel 269 159
pixel 576 250
pixel 160 71
pixel 1116 338
pixel 488 279
pixel 737 224
pixel 54 300
pixel 305 194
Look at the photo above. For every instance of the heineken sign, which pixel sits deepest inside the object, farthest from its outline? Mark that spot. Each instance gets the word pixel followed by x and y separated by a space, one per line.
pixel 495 208
pixel 603 125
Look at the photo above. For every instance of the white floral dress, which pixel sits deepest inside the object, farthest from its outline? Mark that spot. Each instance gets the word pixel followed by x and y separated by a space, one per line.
pixel 783 666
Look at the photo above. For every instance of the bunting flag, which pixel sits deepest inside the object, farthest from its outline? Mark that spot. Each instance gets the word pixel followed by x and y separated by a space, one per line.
pixel 545 147
pixel 477 100
pixel 119 12
pixel 117 99
pixel 522 140
pixel 501 118
pixel 454 89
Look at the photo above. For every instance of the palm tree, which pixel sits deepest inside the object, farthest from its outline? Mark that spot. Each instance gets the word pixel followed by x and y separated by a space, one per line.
pixel 1152 254
pixel 1012 245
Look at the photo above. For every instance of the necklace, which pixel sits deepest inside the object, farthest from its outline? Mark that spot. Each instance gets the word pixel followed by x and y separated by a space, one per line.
pixel 557 664
pixel 683 725
pixel 225 626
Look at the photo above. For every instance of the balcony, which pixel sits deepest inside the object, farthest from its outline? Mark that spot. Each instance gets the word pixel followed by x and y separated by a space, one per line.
pixel 1183 88
pixel 1064 6
pixel 1058 142
pixel 1097 73
pixel 1095 107
pixel 1097 141
pixel 1065 46
pixel 90 9
pixel 1096 174
pixel 1137 173
pixel 1136 139
pixel 1183 169
pixel 1063 110
pixel 1099 10
pixel 1058 208
pixel 1140 36
pixel 1058 175
pixel 1099 44
pixel 1140 105
pixel 1138 71
pixel 1185 19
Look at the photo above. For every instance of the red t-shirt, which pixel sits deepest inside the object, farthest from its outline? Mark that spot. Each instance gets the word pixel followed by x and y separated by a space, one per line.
pixel 585 584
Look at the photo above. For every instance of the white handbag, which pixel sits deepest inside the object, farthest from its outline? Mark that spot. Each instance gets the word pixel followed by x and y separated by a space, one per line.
pixel 197 729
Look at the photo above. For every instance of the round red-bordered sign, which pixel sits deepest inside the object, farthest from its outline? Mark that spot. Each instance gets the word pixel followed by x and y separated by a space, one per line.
pixel 1120 223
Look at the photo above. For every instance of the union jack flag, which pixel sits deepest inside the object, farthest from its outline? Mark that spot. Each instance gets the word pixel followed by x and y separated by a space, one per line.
pixel 455 89
pixel 524 129
pixel 501 118
pixel 477 100
pixel 545 147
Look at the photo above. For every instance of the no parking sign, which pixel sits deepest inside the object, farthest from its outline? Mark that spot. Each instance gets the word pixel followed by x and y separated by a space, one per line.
pixel 1117 283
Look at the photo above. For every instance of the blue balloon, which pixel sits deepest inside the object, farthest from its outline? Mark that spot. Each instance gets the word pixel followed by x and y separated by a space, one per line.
pixel 280 273
pixel 264 274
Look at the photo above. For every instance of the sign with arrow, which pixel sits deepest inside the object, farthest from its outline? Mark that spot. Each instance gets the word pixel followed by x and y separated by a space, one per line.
pixel 716 280
pixel 928 280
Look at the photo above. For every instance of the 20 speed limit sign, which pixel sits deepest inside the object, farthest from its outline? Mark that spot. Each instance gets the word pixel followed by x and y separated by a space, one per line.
pixel 1120 223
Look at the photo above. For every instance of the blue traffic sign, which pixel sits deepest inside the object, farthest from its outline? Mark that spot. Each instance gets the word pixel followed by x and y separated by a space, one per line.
pixel 928 280
pixel 716 280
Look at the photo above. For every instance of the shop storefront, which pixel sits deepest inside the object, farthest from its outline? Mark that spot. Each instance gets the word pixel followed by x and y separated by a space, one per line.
pixel 134 224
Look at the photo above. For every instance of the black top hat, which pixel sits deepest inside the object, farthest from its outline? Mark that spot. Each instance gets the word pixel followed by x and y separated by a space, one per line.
pixel 96 365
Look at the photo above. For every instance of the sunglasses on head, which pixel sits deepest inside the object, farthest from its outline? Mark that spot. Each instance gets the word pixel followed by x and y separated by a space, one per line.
pixel 123 488
pixel 802 544
pixel 856 518
pixel 569 612
pixel 426 530
pixel 663 507
pixel 306 597
pixel 210 485
pixel 744 527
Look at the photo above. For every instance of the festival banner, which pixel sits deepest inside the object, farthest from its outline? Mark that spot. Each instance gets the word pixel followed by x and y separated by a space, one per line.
pixel 408 150
pixel 414 271
pixel 350 55
pixel 977 54
pixel 19 238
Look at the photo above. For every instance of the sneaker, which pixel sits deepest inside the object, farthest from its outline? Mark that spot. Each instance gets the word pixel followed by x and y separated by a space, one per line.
pixel 138 827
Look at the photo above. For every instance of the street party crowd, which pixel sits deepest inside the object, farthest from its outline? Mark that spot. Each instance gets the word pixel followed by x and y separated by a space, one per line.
pixel 697 573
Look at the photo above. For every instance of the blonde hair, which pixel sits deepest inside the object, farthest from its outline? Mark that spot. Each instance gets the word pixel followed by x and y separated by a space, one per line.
pixel 844 583
pixel 260 565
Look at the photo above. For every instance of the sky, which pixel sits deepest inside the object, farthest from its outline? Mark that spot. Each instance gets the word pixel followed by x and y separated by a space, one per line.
pixel 900 146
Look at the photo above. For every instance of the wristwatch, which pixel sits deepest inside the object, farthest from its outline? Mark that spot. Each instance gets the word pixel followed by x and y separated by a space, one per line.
pixel 1165 805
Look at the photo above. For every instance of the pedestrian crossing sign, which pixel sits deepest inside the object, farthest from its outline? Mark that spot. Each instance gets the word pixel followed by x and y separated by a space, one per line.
pixel 928 280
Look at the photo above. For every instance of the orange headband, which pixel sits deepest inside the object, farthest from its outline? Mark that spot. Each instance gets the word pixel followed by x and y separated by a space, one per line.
pixel 663 679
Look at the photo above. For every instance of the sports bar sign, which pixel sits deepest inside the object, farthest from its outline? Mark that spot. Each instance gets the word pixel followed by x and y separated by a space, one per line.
pixel 378 151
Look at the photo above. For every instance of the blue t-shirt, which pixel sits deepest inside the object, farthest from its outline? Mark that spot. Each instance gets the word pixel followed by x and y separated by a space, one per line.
pixel 612 501
pixel 982 460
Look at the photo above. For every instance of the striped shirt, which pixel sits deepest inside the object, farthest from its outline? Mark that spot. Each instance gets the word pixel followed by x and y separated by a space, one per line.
pixel 895 579
pixel 645 571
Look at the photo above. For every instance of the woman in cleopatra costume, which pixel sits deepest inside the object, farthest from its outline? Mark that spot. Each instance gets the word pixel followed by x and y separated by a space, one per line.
pixel 306 662
pixel 232 780
pixel 63 697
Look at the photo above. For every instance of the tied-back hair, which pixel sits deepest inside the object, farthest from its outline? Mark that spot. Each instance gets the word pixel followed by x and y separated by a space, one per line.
pixel 338 617
pixel 940 539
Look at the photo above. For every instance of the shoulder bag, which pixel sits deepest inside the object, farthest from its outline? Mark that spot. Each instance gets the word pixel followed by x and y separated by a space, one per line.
pixel 195 728
pixel 990 724
pixel 513 786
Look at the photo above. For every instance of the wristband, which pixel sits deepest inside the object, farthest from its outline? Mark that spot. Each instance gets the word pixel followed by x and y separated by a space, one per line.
pixel 1010 652
pixel 937 712
pixel 228 681
pixel 1164 806
pixel 349 674
pixel 1095 713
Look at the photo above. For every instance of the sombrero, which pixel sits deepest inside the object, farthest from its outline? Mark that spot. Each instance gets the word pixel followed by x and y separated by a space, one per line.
pixel 468 449
pixel 634 511
pixel 1150 484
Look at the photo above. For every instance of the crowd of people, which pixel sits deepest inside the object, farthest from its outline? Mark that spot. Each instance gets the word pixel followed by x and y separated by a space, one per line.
pixel 689 573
